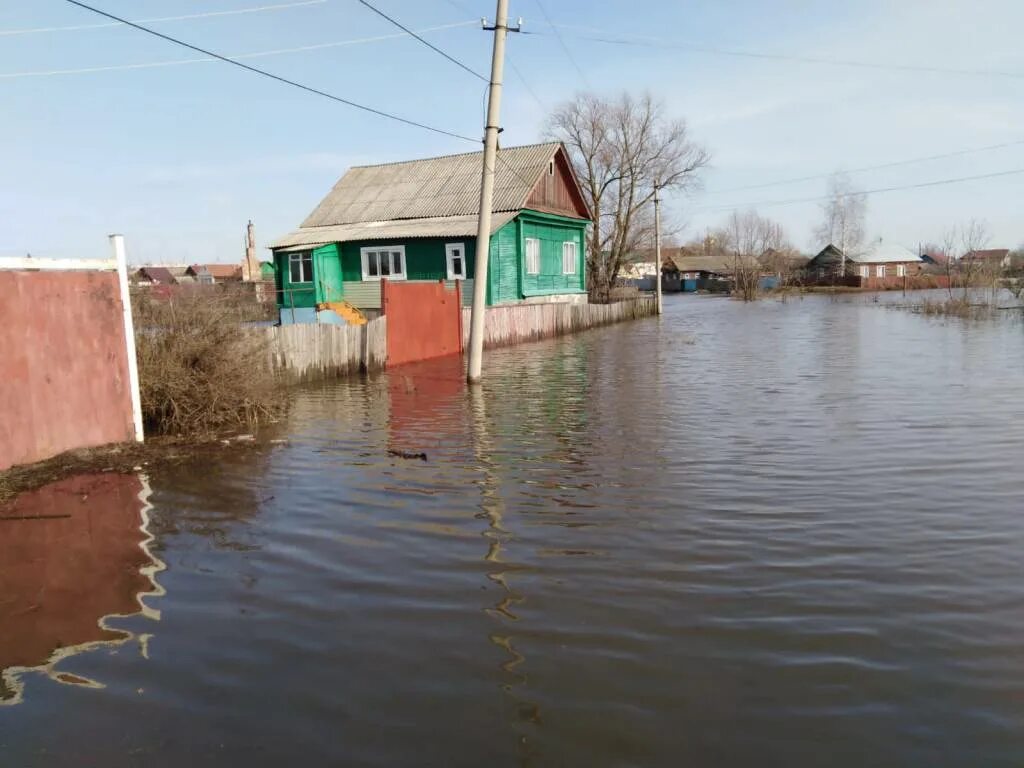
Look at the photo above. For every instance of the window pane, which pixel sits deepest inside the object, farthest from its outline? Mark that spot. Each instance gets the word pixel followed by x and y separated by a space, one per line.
pixel 371 264
pixel 396 257
pixel 457 267
pixel 294 269
pixel 385 264
pixel 307 267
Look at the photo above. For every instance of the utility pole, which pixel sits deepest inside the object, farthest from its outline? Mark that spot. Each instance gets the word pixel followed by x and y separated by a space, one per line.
pixel 483 232
pixel 657 248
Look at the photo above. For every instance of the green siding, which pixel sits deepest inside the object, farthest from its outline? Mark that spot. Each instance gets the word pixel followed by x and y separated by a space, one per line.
pixel 293 294
pixel 424 257
pixel 504 265
pixel 552 231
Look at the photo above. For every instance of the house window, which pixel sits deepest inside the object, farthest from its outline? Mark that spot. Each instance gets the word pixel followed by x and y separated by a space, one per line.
pixel 551 167
pixel 569 258
pixel 383 261
pixel 532 256
pixel 300 267
pixel 456 256
pixel 880 270
pixel 901 270
pixel 865 270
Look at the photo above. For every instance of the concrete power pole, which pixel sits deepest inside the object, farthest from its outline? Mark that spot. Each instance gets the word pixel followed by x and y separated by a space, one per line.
pixel 657 248
pixel 483 232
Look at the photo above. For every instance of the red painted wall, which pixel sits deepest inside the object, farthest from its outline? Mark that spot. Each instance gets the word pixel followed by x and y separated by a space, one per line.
pixel 79 561
pixel 63 364
pixel 424 320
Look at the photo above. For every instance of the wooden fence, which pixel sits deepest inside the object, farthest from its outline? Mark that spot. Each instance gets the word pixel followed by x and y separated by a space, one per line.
pixel 513 324
pixel 307 351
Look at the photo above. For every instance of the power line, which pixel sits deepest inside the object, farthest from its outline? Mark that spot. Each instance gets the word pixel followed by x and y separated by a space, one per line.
pixel 206 15
pixel 561 42
pixel 250 55
pixel 272 76
pixel 870 167
pixel 429 45
pixel 637 40
pixel 921 185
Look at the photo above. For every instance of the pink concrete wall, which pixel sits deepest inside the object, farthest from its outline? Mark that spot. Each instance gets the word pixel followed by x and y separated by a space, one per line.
pixel 63 364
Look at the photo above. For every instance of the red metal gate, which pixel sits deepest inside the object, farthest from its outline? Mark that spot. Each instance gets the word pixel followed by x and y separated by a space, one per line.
pixel 424 320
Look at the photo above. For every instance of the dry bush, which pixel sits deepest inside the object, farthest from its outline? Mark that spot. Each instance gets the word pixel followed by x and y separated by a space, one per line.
pixel 200 369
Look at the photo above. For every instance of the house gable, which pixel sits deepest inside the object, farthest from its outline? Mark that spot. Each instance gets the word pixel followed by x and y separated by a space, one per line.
pixel 557 190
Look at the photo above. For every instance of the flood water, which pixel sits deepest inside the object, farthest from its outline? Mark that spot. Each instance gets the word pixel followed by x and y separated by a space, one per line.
pixel 780 534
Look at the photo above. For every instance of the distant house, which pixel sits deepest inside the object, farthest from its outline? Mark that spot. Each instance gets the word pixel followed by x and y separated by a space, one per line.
pixel 154 276
pixel 417 220
pixel 997 258
pixel 877 260
pixel 698 272
pixel 267 270
pixel 207 274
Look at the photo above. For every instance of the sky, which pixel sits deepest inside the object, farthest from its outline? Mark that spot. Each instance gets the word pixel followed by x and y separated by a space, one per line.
pixel 178 157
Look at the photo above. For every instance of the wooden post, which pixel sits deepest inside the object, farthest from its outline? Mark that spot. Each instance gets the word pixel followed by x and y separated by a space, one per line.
pixel 117 245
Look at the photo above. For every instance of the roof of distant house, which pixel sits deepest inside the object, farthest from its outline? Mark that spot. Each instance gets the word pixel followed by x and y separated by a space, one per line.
pixel 218 271
pixel 157 275
pixel 989 254
pixel 433 197
pixel 880 252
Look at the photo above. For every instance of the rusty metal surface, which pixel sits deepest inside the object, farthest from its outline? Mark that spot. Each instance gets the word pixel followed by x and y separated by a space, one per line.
pixel 424 321
pixel 63 364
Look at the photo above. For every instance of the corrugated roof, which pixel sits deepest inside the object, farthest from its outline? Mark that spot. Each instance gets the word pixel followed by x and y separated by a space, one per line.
pixel 436 186
pixel 880 252
pixel 437 226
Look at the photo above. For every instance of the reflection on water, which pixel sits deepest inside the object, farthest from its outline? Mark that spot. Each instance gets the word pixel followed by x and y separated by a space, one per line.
pixel 74 556
pixel 770 534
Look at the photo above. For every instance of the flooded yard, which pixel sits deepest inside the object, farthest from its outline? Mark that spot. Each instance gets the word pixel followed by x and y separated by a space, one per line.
pixel 767 534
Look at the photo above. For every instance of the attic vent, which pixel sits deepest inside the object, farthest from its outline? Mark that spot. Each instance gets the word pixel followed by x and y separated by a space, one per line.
pixel 551 167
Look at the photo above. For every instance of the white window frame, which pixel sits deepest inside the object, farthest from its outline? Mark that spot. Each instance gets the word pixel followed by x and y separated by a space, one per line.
pixel 865 270
pixel 879 270
pixel 449 258
pixel 296 257
pixel 376 250
pixel 532 265
pixel 570 254
pixel 901 270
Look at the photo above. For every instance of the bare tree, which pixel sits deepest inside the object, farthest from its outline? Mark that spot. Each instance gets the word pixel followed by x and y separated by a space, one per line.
pixel 748 238
pixel 843 217
pixel 620 148
pixel 963 266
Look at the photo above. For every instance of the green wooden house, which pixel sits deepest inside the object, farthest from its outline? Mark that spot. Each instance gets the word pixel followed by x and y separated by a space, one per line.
pixel 417 220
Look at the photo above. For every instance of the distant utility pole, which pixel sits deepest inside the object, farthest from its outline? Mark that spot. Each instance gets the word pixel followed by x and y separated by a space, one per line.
pixel 657 248
pixel 483 232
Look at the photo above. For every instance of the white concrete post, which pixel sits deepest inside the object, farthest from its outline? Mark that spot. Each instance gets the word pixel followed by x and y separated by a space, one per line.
pixel 657 251
pixel 117 245
pixel 483 232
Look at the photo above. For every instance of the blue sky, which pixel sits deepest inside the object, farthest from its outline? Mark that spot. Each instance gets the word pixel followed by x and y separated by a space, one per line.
pixel 179 157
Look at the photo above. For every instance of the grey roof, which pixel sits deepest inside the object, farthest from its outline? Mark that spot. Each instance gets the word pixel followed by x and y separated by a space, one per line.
pixel 437 226
pixel 414 198
pixel 880 252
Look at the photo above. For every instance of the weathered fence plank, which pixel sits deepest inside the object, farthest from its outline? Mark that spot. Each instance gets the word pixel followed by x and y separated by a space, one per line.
pixel 529 322
pixel 312 351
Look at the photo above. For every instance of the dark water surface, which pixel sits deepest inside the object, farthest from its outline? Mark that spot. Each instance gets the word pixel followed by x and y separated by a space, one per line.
pixel 773 535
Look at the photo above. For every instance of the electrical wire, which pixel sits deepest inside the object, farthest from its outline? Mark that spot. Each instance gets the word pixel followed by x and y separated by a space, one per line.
pixel 250 55
pixel 565 48
pixel 864 168
pixel 272 76
pixel 160 19
pixel 637 40
pixel 879 190
pixel 429 45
